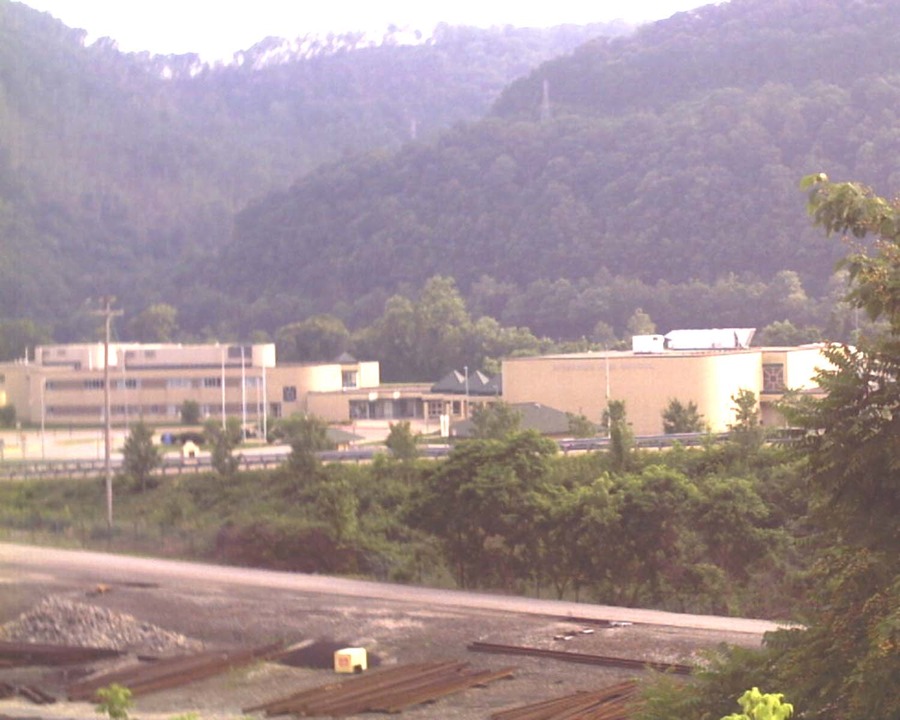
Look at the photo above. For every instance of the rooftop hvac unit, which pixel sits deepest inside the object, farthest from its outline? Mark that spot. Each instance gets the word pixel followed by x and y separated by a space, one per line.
pixel 648 343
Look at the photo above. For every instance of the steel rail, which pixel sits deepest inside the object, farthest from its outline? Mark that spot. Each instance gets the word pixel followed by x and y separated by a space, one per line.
pixel 583 658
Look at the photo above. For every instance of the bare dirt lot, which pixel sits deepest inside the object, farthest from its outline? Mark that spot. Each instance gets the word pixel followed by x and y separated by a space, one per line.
pixel 392 631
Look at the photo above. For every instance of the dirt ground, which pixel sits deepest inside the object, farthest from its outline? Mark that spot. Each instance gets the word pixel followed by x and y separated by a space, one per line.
pixel 392 632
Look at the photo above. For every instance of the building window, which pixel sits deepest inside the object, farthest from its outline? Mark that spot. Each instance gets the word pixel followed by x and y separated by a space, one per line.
pixel 289 393
pixel 435 408
pixel 773 378
pixel 178 382
pixel 275 410
pixel 349 378
pixel 94 384
pixel 212 382
pixel 457 407
pixel 127 384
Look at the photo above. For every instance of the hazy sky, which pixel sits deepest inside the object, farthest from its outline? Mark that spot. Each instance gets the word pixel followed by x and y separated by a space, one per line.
pixel 217 28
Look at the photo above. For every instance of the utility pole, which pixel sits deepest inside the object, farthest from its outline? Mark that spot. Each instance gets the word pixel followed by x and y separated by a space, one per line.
pixel 107 313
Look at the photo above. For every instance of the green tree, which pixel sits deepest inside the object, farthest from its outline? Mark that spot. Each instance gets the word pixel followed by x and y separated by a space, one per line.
pixel 679 417
pixel 307 435
pixel 114 701
pixel 156 324
pixel 19 337
pixel 577 538
pixel 140 457
pixel 480 502
pixel 223 442
pixel 640 324
pixel 846 661
pixel 402 442
pixel 495 421
pixel 785 333
pixel 762 706
pixel 190 412
pixel 652 508
pixel 581 427
pixel 621 437
pixel 746 428
pixel 321 338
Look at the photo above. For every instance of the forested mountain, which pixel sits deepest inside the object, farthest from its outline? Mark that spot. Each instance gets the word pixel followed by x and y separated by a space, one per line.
pixel 122 172
pixel 664 164
pixel 629 179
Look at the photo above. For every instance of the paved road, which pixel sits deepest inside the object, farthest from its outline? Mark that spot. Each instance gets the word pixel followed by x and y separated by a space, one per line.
pixel 20 562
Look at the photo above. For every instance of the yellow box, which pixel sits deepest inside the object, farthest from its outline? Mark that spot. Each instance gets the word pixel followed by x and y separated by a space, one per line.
pixel 350 660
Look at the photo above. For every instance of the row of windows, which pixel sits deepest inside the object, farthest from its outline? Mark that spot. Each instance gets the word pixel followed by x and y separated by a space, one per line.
pixel 135 383
pixel 152 410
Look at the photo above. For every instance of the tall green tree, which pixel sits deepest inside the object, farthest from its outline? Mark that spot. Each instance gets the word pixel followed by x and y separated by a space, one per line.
pixel 679 417
pixel 223 441
pixel 495 421
pixel 746 428
pixel 19 337
pixel 140 456
pixel 156 324
pixel 307 435
pixel 845 661
pixel 480 502
pixel 190 412
pixel 621 437
pixel 402 442
pixel 320 338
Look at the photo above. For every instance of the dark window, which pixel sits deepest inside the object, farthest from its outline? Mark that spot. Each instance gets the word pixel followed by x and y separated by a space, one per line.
pixel 289 393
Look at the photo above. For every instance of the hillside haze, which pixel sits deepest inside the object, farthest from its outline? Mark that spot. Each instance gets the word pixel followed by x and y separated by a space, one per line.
pixel 565 179
pixel 671 156
pixel 122 173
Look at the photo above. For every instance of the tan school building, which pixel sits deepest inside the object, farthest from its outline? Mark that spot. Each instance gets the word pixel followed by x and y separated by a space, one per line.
pixel 584 383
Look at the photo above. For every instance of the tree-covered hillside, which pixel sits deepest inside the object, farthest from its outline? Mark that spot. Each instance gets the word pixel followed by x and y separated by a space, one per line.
pixel 672 156
pixel 122 172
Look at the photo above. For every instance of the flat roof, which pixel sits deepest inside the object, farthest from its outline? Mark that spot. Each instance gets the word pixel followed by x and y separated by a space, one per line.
pixel 621 354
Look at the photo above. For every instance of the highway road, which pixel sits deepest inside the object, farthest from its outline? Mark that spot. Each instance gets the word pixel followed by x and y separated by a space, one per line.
pixel 23 563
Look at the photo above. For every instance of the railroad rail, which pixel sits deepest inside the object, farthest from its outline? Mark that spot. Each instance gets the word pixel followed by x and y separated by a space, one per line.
pixel 144 678
pixel 615 702
pixel 389 690
pixel 18 654
pixel 583 658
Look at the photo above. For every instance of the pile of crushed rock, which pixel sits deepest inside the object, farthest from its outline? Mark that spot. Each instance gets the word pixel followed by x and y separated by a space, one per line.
pixel 60 621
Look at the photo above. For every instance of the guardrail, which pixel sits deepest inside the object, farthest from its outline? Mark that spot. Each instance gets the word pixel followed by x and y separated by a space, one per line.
pixel 273 457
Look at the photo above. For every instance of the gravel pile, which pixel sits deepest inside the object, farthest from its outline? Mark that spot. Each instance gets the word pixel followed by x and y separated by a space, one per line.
pixel 60 621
